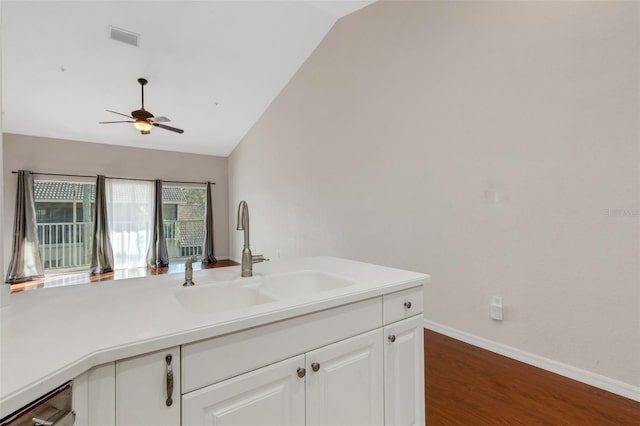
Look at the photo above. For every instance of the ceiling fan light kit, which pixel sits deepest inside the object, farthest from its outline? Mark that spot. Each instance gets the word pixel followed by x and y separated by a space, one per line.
pixel 142 119
pixel 142 125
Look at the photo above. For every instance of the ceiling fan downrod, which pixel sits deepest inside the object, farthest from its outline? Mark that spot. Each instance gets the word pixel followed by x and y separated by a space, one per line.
pixel 142 82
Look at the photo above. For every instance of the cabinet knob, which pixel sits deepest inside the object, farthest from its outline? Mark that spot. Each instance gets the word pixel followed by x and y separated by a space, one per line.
pixel 301 372
pixel 315 366
pixel 392 338
pixel 407 304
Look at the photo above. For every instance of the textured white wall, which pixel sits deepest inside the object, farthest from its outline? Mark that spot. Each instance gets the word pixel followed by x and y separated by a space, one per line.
pixel 492 145
pixel 69 157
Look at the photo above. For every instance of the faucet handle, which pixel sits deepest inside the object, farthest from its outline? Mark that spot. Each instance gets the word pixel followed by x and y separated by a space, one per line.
pixel 258 258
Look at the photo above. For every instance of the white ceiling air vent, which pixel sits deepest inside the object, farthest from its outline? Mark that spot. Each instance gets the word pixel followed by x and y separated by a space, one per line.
pixel 124 36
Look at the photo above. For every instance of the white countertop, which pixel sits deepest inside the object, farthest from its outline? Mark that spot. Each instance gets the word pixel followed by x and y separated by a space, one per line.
pixel 51 335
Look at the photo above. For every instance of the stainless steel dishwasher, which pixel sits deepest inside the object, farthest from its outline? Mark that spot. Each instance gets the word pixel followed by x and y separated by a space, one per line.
pixel 52 409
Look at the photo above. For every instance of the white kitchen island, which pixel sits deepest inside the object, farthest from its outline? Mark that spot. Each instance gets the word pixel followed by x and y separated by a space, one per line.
pixel 312 341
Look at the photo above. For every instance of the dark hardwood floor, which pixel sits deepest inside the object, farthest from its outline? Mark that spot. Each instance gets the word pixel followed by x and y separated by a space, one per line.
pixel 467 385
pixel 85 277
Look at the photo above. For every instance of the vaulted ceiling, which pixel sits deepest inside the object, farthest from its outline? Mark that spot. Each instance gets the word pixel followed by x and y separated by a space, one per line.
pixel 213 66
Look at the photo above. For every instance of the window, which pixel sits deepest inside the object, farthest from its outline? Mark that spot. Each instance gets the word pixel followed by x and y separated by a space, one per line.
pixel 64 216
pixel 183 210
pixel 130 215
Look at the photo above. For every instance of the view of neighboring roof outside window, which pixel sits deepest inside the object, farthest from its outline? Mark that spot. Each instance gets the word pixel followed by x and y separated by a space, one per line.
pixel 183 211
pixel 64 215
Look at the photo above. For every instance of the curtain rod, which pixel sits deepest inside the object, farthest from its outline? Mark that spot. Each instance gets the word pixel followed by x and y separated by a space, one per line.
pixel 111 177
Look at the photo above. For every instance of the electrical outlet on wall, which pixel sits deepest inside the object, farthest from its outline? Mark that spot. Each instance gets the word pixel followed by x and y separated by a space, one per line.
pixel 497 308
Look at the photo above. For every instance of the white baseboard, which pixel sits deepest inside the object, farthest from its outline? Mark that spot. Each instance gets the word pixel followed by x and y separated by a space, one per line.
pixel 615 386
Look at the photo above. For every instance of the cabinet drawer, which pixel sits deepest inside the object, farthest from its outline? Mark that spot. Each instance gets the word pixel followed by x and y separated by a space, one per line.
pixel 402 304
pixel 211 361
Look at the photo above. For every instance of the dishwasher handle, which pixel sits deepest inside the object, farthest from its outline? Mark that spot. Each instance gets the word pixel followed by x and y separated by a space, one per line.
pixel 65 419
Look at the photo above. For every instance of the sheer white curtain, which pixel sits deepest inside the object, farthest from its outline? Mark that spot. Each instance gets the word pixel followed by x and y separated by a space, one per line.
pixel 130 211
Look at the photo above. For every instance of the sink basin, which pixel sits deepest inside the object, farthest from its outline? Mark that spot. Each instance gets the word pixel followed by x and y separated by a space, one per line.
pixel 300 284
pixel 260 289
pixel 220 298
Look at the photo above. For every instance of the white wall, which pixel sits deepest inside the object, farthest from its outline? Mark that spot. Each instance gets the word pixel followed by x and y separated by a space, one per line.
pixel 68 157
pixel 492 145
pixel 4 290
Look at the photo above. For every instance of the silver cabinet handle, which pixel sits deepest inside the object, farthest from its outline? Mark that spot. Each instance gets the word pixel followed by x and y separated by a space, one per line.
pixel 315 366
pixel 169 401
pixel 301 372
pixel 407 304
pixel 392 338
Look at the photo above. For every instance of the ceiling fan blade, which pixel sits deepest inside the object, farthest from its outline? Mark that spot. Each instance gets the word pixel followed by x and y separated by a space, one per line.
pixel 110 122
pixel 161 119
pixel 119 113
pixel 173 129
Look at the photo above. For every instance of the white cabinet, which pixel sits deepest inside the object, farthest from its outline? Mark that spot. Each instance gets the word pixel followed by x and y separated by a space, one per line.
pixel 402 304
pixel 345 382
pixel 270 396
pixel 94 394
pixel 220 358
pixel 147 389
pixel 356 364
pixel 404 372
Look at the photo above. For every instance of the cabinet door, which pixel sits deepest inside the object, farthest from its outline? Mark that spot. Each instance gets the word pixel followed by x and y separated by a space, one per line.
pixel 143 389
pixel 345 382
pixel 269 396
pixel 404 372
pixel 94 396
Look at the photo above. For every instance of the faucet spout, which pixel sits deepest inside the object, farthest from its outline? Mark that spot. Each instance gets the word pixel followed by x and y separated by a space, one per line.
pixel 243 225
pixel 243 221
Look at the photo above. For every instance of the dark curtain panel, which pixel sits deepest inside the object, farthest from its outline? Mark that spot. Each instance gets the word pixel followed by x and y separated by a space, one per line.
pixel 101 251
pixel 26 263
pixel 207 251
pixel 158 254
